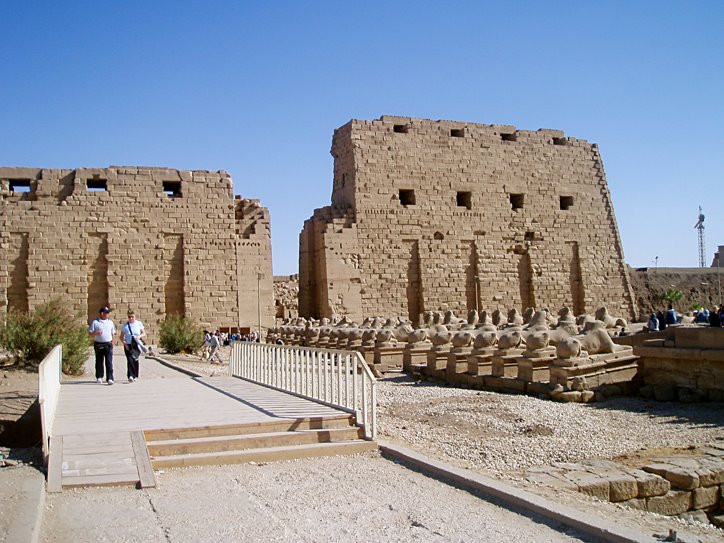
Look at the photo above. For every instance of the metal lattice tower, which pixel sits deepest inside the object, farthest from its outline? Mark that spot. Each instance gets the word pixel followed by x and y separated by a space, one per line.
pixel 702 246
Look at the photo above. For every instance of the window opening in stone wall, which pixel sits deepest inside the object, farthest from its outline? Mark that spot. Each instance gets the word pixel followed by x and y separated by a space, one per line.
pixel 172 189
pixel 173 273
pixel 19 185
pixel 566 202
pixel 407 197
pixel 438 236
pixel 529 236
pixel 560 141
pixel 18 274
pixel 401 128
pixel 509 137
pixel 96 185
pixel 96 273
pixel 344 179
pixel 457 132
pixel 465 199
pixel 516 201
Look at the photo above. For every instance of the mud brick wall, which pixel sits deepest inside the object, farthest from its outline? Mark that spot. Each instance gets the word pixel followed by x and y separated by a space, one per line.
pixel 159 240
pixel 432 215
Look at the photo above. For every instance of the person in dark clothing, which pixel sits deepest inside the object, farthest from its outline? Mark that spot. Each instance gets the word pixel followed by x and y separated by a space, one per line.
pixel 714 319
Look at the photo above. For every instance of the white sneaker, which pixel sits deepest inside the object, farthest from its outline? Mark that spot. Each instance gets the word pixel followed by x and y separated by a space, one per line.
pixel 110 381
pixel 99 381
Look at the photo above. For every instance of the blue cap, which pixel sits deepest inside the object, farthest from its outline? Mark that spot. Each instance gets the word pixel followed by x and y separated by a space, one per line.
pixel 104 309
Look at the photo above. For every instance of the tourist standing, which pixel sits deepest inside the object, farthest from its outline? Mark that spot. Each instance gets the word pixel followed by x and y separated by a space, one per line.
pixel 102 330
pixel 215 345
pixel 132 332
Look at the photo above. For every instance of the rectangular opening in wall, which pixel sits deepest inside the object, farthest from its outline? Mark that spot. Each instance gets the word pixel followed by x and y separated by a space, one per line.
pixel 96 185
pixel 401 128
pixel 18 277
pixel 566 202
pixel 516 201
pixel 173 273
pixel 560 141
pixel 457 133
pixel 407 197
pixel 509 137
pixel 172 189
pixel 465 199
pixel 19 185
pixel 96 273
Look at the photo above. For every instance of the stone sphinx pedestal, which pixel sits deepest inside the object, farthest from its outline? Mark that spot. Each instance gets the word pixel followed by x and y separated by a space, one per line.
pixel 457 363
pixel 504 370
pixel 598 369
pixel 388 357
pixel 534 366
pixel 437 361
pixel 414 357
pixel 368 353
pixel 480 362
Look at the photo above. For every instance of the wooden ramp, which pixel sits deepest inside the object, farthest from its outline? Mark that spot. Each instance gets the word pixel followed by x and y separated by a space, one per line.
pixel 117 434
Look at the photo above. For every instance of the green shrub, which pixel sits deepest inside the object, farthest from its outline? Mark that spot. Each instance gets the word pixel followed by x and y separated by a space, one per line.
pixel 672 295
pixel 179 334
pixel 31 336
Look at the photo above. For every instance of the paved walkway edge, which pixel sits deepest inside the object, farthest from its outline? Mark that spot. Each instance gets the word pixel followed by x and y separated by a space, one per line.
pixel 28 512
pixel 173 366
pixel 589 524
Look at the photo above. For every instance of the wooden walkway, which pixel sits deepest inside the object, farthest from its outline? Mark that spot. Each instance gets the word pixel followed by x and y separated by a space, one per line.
pixel 97 434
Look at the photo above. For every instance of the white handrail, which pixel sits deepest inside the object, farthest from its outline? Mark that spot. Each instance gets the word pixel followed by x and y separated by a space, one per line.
pixel 339 379
pixel 48 391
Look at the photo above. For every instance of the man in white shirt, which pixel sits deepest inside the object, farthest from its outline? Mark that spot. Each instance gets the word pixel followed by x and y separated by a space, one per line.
pixel 102 330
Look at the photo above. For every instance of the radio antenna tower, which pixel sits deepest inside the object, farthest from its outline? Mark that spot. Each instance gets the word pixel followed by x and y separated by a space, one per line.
pixel 702 246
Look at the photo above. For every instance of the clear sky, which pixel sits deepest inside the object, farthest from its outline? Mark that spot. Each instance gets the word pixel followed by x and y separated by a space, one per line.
pixel 257 89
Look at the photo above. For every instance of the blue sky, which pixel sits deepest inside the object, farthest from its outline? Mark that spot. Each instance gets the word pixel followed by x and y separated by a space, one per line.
pixel 257 89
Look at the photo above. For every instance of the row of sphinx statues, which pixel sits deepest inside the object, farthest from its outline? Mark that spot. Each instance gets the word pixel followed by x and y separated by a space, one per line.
pixel 572 336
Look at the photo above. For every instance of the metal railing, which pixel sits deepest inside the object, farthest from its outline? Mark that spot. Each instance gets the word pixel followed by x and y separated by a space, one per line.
pixel 339 379
pixel 48 391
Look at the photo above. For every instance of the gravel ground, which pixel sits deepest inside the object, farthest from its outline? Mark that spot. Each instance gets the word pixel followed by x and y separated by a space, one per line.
pixel 500 433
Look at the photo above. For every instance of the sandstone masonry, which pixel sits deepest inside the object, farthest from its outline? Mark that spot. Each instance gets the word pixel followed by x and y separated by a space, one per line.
pixel 435 215
pixel 159 240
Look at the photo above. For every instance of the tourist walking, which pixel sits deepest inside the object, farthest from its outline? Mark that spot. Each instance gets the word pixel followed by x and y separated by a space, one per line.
pixel 206 347
pixel 102 330
pixel 132 334
pixel 215 346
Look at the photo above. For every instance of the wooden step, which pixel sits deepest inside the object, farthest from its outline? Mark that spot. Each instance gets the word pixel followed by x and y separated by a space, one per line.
pixel 281 425
pixel 270 454
pixel 252 441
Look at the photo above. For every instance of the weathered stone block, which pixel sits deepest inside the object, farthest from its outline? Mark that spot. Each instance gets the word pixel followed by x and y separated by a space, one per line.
pixel 590 484
pixel 650 484
pixel 622 487
pixel 671 503
pixel 705 497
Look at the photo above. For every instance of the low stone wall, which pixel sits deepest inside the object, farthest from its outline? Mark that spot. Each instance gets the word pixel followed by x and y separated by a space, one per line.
pixel 686 365
pixel 671 485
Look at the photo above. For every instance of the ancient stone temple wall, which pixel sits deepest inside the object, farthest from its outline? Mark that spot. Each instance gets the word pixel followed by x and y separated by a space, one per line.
pixel 429 215
pixel 159 240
